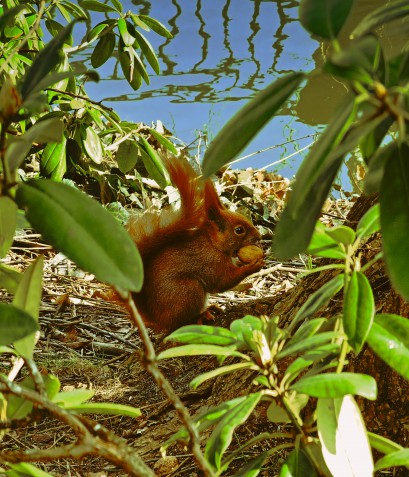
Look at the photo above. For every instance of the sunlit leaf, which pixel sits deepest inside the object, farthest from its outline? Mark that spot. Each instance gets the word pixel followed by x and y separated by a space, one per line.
pixel 199 350
pixel 359 310
pixel 297 465
pixel 103 50
pixel 312 185
pixel 196 382
pixel 249 120
pixel 393 459
pixel 24 469
pixel 85 232
pixel 126 61
pixel 127 156
pixel 222 435
pixel 127 38
pixel 92 145
pixel 156 26
pixel 8 16
pixel 307 344
pixel 333 385
pixel 203 334
pixel 383 444
pixel 153 163
pixel 95 6
pixel 324 18
pixel 389 338
pixel 341 234
pixel 369 223
pixel 8 223
pixel 53 159
pixel 67 399
pixel 394 200
pixel 163 141
pixel 15 324
pixel 322 244
pixel 343 436
pixel 28 298
pixel 98 29
pixel 148 51
pixel 100 408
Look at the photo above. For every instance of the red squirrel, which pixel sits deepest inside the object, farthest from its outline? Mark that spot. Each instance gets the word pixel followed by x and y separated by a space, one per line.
pixel 189 252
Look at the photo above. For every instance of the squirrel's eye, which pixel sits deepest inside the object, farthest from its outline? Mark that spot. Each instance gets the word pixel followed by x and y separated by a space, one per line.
pixel 239 230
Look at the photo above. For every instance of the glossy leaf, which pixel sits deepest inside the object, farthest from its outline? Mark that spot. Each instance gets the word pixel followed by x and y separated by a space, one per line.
pixel 53 159
pixel 127 38
pixel 156 26
pixel 196 382
pixel 318 299
pixel 297 464
pixel 8 223
pixel 249 120
pixel 324 18
pixel 369 223
pixel 100 408
pixel 127 156
pixel 394 200
pixel 254 467
pixel 382 444
pixel 163 141
pixel 126 61
pixel 45 61
pixel 96 31
pixel 389 339
pixel 203 334
pixel 359 310
pixel 148 51
pixel 199 350
pixel 222 435
pixel 380 16
pixel 67 399
pixel 86 233
pixel 307 344
pixel 393 459
pixel 341 234
pixel 15 324
pixel 8 16
pixel 92 145
pixel 312 185
pixel 95 6
pixel 103 50
pixel 333 385
pixel 343 436
pixel 24 469
pixel 9 278
pixel 153 163
pixel 322 244
pixel 28 298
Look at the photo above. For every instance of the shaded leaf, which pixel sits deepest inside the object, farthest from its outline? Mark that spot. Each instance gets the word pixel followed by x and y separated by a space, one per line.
pixel 369 223
pixel 332 385
pixel 359 310
pixel 196 382
pixel 324 18
pixel 95 6
pixel 103 50
pixel 15 324
pixel 377 165
pixel 85 232
pixel 9 278
pixel 8 223
pixel 92 145
pixel 276 413
pixel 126 61
pixel 53 159
pixel 253 468
pixel 343 436
pixel 127 156
pixel 389 339
pixel 163 141
pixel 297 465
pixel 148 51
pixel 249 120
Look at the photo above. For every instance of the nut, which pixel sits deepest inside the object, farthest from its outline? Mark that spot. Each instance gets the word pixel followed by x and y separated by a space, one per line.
pixel 249 253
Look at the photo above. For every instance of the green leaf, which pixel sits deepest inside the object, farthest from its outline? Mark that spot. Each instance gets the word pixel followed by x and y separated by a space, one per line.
pixel 222 435
pixel 69 399
pixel 92 145
pixel 196 382
pixel 199 350
pixel 15 324
pixel 319 298
pixel 28 298
pixel 393 459
pixel 253 468
pixel 8 17
pixel 138 64
pixel 359 310
pixel 98 29
pixel 333 385
pixel 43 131
pixel 103 50
pixel 163 141
pixel 341 234
pixel 126 61
pixel 343 436
pixel 53 159
pixel 370 143
pixel 377 165
pixel 155 25
pixel 382 444
pixel 307 344
pixel 25 469
pixel 95 6
pixel 9 278
pixel 245 124
pixel 380 16
pixel 104 408
pixel 322 244
pixel 389 339
pixel 153 163
pixel 203 334
pixel 297 465
pixel 369 223
pixel 86 233
pixel 307 329
pixel 127 156
pixel 148 51
pixel 52 385
pixel 127 38
pixel 324 18
pixel 276 413
pixel 8 223
pixel 46 60
pixel 394 200
pixel 312 185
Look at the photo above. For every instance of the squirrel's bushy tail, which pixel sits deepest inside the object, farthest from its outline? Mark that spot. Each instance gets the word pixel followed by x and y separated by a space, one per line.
pixel 154 229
